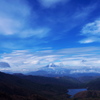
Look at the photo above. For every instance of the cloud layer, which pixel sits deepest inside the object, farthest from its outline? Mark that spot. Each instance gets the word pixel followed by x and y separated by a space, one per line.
pixel 28 26
pixel 15 18
pixel 92 32
pixel 51 3
pixel 76 58
pixel 12 16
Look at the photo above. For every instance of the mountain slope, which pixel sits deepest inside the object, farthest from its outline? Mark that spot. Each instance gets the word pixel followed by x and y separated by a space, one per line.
pixel 94 84
pixel 51 70
pixel 88 94
pixel 14 85
pixel 67 82
pixel 86 79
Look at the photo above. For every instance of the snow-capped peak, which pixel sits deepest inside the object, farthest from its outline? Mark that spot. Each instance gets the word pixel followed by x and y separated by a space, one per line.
pixel 51 65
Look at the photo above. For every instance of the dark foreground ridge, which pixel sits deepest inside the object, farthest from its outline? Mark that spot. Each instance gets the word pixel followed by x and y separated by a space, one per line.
pixel 28 87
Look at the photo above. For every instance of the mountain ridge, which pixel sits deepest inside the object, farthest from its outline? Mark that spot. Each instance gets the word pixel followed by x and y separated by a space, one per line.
pixel 54 70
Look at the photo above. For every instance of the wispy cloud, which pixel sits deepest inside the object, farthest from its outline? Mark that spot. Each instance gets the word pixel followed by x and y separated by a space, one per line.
pixel 24 60
pixel 15 18
pixel 18 24
pixel 12 16
pixel 39 33
pixel 85 71
pixel 51 3
pixel 92 32
pixel 75 18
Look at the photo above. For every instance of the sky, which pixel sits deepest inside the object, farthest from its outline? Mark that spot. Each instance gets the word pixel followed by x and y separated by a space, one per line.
pixel 34 33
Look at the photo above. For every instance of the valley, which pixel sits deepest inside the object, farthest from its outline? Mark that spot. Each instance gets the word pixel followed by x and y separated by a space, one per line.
pixel 29 87
pixel 55 84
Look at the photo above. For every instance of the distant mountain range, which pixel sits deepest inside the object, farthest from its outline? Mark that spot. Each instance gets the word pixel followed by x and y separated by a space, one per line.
pixel 51 70
pixel 58 70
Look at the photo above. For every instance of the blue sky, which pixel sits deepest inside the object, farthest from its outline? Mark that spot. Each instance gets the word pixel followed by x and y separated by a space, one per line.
pixel 34 33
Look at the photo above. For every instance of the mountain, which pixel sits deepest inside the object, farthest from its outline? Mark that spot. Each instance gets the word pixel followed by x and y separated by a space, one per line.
pixel 23 87
pixel 94 84
pixel 87 95
pixel 5 96
pixel 52 66
pixel 54 70
pixel 51 70
pixel 15 85
pixel 67 82
pixel 28 87
pixel 86 79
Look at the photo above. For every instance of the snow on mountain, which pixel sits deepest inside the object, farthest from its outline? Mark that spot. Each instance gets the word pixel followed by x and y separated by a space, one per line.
pixel 59 70
pixel 51 65
pixel 55 69
pixel 51 70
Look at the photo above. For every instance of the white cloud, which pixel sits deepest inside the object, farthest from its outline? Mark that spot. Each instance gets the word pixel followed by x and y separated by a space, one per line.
pixel 88 40
pixel 40 33
pixel 50 3
pixel 85 71
pixel 92 28
pixel 77 17
pixel 14 20
pixel 77 50
pixel 24 60
pixel 92 32
pixel 9 26
pixel 12 16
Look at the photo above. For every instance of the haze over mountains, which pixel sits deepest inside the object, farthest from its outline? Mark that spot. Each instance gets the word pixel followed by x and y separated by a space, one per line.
pixel 53 69
pixel 28 87
pixel 37 87
pixel 59 70
pixel 51 82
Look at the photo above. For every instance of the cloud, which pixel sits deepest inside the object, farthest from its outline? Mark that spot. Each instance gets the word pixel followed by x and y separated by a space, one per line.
pixel 23 27
pixel 39 33
pixel 12 16
pixel 24 60
pixel 50 3
pixel 85 71
pixel 77 50
pixel 77 16
pixel 15 17
pixel 4 65
pixel 92 32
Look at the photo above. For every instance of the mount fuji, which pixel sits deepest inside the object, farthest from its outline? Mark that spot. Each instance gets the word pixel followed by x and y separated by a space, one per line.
pixel 53 70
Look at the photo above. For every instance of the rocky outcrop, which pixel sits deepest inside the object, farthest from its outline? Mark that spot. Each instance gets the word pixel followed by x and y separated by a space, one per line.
pixel 88 94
